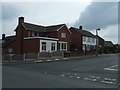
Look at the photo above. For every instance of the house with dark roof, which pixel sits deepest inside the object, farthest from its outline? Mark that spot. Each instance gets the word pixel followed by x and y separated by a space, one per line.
pixel 82 40
pixel 108 44
pixel 101 42
pixel 32 38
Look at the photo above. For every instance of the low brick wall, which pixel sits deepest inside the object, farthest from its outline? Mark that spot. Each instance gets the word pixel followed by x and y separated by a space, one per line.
pixel 9 57
pixel 76 53
pixel 30 56
pixel 81 53
pixel 33 56
pixel 17 57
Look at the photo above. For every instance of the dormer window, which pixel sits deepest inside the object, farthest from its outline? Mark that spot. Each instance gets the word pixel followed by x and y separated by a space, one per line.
pixel 35 34
pixel 63 35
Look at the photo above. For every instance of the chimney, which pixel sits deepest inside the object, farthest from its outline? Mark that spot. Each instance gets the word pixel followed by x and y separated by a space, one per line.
pixel 80 27
pixel 20 20
pixel 3 36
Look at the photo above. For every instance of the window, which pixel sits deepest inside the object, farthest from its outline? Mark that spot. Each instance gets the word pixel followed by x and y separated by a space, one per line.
pixel 52 46
pixel 43 46
pixel 10 50
pixel 93 40
pixel 88 39
pixel 62 46
pixel 84 38
pixel 35 34
pixel 63 35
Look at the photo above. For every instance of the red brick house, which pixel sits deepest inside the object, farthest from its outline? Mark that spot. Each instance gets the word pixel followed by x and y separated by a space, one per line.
pixel 108 44
pixel 31 38
pixel 101 41
pixel 82 40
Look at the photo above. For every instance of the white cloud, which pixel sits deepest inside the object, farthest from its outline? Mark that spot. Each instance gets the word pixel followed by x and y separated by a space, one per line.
pixel 46 0
pixel 103 15
pixel 9 11
pixel 109 33
pixel 42 13
pixel 98 14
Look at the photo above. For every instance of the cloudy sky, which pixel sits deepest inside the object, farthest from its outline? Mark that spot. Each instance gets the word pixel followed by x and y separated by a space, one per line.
pixel 90 15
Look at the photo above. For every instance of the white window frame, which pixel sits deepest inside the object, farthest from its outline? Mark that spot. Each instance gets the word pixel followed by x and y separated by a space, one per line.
pixel 63 35
pixel 60 46
pixel 43 46
pixel 84 38
pixel 33 34
pixel 93 40
pixel 48 45
pixel 53 46
pixel 88 39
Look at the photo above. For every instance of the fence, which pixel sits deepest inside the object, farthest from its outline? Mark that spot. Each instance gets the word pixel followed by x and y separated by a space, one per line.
pixel 33 56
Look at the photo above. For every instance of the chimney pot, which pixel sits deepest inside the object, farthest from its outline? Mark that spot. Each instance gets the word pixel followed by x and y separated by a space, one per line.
pixel 21 20
pixel 3 36
pixel 80 27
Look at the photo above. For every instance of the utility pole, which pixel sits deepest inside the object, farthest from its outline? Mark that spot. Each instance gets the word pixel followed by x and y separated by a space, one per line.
pixel 97 42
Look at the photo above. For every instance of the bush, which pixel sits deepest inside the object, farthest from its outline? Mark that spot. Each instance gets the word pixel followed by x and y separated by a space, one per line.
pixel 111 50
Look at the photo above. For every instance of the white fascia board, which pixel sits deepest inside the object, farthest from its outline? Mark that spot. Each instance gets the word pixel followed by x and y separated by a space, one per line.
pixel 40 38
pixel 24 26
pixel 66 27
pixel 62 42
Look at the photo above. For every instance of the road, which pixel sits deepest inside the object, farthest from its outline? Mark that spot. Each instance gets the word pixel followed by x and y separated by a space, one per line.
pixel 96 72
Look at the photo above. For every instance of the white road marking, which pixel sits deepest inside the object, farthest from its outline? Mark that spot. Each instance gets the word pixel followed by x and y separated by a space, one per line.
pixel 94 80
pixel 108 82
pixel 89 79
pixel 78 77
pixel 110 79
pixel 75 74
pixel 76 69
pixel 57 59
pixel 62 75
pixel 71 76
pixel 115 66
pixel 65 58
pixel 86 78
pixel 48 60
pixel 38 61
pixel 94 77
pixel 110 69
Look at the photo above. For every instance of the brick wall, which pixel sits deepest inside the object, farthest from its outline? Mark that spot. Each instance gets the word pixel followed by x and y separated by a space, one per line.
pixel 76 40
pixel 68 36
pixel 31 45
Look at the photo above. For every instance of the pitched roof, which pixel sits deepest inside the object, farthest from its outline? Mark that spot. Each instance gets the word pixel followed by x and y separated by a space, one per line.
pixel 84 32
pixel 8 40
pixel 99 37
pixel 109 42
pixel 39 28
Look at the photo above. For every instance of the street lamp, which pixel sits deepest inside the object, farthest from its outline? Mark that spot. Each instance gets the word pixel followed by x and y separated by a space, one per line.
pixel 97 43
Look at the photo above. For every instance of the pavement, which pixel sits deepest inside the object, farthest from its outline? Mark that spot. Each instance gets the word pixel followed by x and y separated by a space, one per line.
pixel 74 72
pixel 53 59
